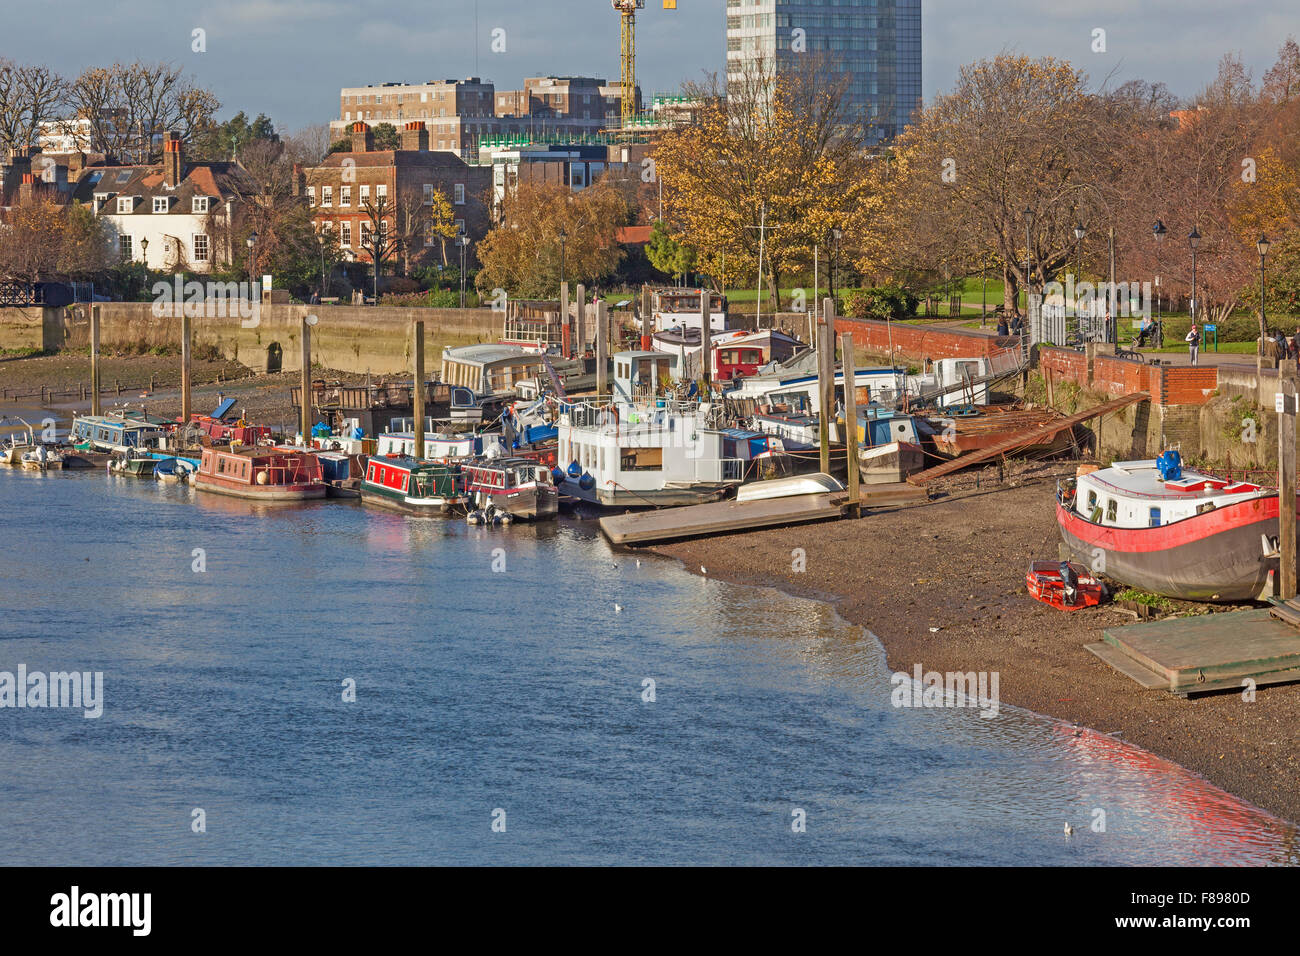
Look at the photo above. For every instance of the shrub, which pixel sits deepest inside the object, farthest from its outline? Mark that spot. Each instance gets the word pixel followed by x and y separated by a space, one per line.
pixel 882 302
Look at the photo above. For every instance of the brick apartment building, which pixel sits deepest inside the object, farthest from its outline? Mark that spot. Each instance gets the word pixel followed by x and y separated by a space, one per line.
pixel 460 113
pixel 349 188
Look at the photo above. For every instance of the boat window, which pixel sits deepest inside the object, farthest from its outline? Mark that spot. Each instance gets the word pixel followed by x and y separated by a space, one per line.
pixel 1092 500
pixel 641 459
pixel 1112 509
pixel 1155 517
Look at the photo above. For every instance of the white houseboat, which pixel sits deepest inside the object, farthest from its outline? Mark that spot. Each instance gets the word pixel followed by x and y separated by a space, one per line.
pixel 643 449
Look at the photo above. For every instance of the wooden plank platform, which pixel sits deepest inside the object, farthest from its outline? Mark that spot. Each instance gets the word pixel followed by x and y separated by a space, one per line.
pixel 727 517
pixel 1030 436
pixel 719 517
pixel 1195 655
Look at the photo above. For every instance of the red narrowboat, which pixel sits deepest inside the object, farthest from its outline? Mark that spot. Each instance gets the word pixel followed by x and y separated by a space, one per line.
pixel 263 472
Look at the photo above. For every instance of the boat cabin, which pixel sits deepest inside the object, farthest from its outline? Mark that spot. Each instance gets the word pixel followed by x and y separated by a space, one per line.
pixel 263 471
pixel 401 477
pixel 1133 494
pixel 117 433
pixel 684 308
pixel 490 369
pixel 640 376
pixel 441 447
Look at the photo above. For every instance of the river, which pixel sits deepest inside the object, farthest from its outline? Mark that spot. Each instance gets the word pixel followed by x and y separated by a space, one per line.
pixel 496 682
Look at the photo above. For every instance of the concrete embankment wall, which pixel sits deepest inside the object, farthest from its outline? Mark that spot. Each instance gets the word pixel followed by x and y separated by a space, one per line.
pixel 347 338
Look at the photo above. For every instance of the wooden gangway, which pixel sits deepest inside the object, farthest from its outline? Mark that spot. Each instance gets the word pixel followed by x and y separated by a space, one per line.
pixel 729 517
pixel 1023 439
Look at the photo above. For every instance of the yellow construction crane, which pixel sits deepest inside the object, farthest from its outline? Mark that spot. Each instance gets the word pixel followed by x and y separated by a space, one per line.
pixel 627 13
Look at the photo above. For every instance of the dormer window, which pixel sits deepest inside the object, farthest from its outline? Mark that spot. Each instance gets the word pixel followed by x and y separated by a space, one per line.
pixel 125 204
pixel 200 204
pixel 161 203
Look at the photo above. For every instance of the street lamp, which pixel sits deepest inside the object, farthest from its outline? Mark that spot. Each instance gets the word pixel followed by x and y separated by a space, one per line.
pixel 1079 233
pixel 1262 246
pixel 836 235
pixel 462 240
pixel 144 252
pixel 1159 231
pixel 1194 241
pixel 563 236
pixel 1029 222
pixel 251 241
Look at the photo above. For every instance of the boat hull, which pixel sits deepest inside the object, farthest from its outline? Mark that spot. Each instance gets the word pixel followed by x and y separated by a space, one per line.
pixel 276 493
pixel 1216 556
pixel 405 505
pixel 658 498
pixel 890 463
pixel 529 503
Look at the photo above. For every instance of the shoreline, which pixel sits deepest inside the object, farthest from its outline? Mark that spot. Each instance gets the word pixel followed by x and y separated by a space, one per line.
pixel 986 621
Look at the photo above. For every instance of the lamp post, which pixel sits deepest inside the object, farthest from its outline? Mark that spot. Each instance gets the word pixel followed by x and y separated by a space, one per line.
pixel 462 241
pixel 1029 222
pixel 144 253
pixel 1262 247
pixel 1159 231
pixel 836 235
pixel 563 236
pixel 1194 241
pixel 251 242
pixel 1079 234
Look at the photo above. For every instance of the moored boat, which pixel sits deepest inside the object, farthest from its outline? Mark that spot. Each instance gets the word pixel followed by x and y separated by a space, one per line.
pixel 1173 531
pixel 132 464
pixel 516 486
pixel 261 472
pixel 406 484
pixel 117 432
pixel 42 458
pixel 1064 585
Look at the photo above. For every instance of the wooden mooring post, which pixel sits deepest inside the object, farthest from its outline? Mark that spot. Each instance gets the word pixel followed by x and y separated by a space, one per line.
pixel 307 322
pixel 580 317
pixel 824 384
pixel 602 350
pixel 1286 463
pixel 567 348
pixel 186 336
pixel 706 303
pixel 851 425
pixel 417 393
pixel 94 359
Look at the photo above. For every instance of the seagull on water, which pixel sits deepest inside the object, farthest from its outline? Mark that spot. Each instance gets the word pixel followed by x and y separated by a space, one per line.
pixel 703 569
pixel 638 562
pixel 1069 830
pixel 618 608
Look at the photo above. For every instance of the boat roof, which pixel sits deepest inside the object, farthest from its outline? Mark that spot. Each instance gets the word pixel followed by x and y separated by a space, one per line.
pixel 741 433
pixel 1140 479
pixel 486 354
pixel 408 463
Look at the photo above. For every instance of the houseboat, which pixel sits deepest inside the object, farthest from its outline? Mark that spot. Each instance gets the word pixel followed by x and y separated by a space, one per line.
pixel 672 307
pixel 1164 528
pixel 889 445
pixel 643 448
pixel 735 354
pixel 521 487
pixel 118 432
pixel 262 473
pixel 490 370
pixel 441 447
pixel 414 487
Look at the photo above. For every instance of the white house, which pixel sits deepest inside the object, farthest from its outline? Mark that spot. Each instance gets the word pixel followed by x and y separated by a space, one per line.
pixel 171 215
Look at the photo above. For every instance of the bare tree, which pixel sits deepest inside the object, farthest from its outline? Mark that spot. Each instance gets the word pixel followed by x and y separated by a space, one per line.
pixel 29 96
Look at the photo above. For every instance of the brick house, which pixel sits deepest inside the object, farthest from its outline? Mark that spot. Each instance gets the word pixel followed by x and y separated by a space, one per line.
pixel 349 190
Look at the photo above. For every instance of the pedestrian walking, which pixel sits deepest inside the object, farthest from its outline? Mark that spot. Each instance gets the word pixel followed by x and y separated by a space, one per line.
pixel 1193 341
pixel 1002 325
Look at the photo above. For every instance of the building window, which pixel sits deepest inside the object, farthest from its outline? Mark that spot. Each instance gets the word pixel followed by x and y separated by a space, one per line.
pixel 381 191
pixel 124 246
pixel 125 205
pixel 200 248
pixel 200 204
pixel 460 227
pixel 365 232
pixel 311 195
pixel 327 195
pixel 459 191
pixel 345 195
pixel 345 233
pixel 365 192
pixel 160 203
pixel 429 191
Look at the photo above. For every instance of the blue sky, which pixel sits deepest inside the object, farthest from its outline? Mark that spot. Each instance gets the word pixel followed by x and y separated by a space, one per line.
pixel 288 58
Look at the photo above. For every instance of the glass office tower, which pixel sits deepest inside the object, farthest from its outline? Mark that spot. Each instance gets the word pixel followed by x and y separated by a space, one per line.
pixel 876 43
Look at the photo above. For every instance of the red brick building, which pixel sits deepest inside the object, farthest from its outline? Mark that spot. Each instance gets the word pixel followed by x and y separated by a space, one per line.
pixel 350 190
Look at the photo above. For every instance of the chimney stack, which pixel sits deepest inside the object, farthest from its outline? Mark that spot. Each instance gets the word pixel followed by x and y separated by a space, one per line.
pixel 363 141
pixel 26 189
pixel 415 136
pixel 299 180
pixel 173 160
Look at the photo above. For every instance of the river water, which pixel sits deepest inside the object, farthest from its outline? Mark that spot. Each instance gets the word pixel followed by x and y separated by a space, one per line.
pixel 495 681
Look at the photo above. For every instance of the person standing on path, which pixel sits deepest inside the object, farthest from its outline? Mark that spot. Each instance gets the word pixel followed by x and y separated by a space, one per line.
pixel 1193 341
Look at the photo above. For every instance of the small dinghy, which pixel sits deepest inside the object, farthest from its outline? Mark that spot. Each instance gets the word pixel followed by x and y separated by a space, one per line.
pixel 815 484
pixel 175 470
pixel 1064 585
pixel 131 464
